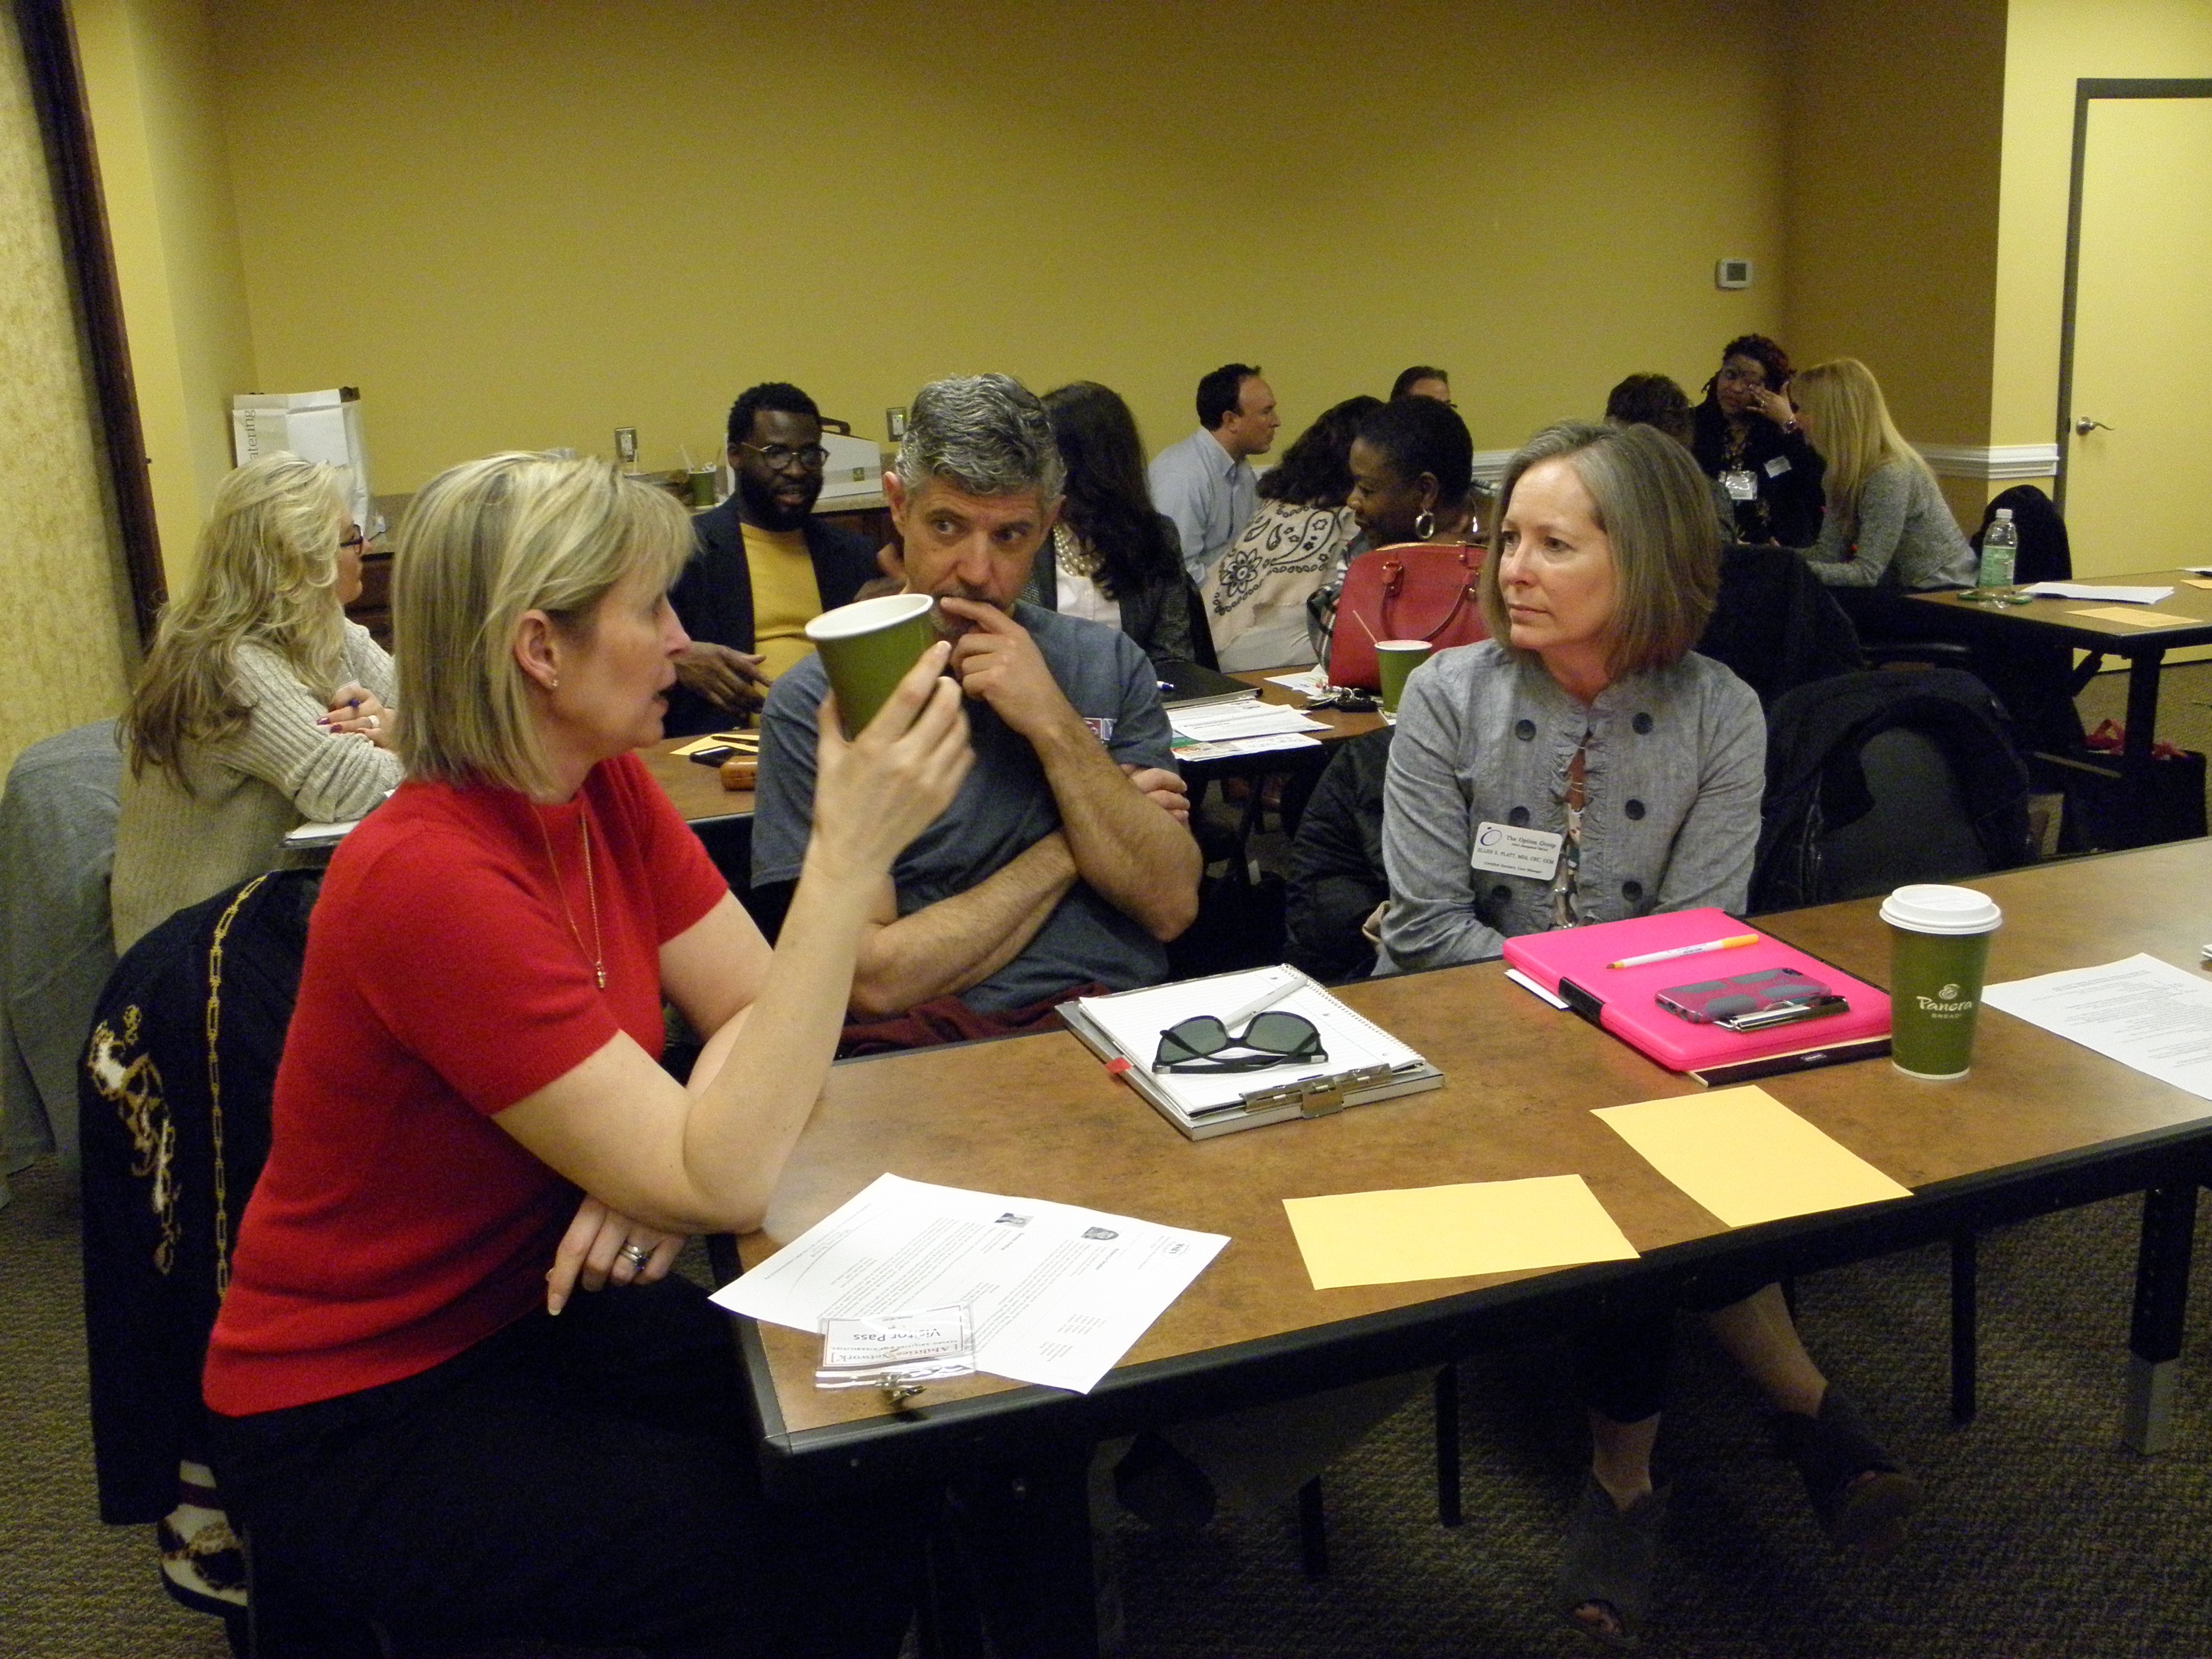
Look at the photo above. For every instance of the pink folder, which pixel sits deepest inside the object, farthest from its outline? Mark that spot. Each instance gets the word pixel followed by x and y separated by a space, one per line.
pixel 1572 963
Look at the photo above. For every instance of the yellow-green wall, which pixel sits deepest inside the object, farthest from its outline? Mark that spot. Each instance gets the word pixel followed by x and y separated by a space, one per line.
pixel 157 107
pixel 67 644
pixel 2049 45
pixel 1895 141
pixel 524 225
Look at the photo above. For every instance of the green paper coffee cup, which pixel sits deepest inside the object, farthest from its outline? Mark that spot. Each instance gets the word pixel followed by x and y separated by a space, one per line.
pixel 1939 951
pixel 703 486
pixel 1395 659
pixel 868 647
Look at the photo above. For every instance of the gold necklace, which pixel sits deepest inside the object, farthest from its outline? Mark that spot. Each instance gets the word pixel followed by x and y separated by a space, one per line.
pixel 597 956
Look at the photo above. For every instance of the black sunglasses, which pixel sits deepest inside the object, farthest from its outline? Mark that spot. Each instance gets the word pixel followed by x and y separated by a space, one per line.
pixel 1274 1038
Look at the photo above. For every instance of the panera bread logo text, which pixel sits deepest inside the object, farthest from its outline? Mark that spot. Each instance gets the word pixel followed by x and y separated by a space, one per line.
pixel 1947 1001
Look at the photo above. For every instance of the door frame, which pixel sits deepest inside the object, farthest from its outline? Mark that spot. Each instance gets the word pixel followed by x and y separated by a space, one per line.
pixel 2084 90
pixel 57 91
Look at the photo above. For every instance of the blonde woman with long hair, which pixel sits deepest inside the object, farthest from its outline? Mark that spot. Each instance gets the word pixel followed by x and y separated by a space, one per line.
pixel 1887 524
pixel 260 707
pixel 453 1388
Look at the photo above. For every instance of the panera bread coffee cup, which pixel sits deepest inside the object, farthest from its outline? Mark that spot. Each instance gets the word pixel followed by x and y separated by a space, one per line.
pixel 1939 950
pixel 866 648
pixel 1394 660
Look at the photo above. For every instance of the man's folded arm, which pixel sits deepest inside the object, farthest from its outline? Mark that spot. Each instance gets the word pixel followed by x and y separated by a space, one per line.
pixel 943 948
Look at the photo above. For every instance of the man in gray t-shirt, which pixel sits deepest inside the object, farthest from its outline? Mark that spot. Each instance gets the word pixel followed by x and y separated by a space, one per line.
pixel 1067 856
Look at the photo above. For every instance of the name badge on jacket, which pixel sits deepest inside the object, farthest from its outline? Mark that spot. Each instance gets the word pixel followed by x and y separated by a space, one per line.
pixel 1506 851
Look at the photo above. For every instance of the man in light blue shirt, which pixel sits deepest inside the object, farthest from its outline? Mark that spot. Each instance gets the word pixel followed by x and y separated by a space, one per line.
pixel 1205 483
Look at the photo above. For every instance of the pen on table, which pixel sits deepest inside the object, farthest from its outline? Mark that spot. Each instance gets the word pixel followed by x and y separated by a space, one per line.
pixel 1274 993
pixel 1734 942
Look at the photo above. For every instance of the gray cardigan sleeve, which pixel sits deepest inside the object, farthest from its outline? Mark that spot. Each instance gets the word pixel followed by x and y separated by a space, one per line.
pixel 1885 500
pixel 329 776
pixel 1431 920
pixel 1711 860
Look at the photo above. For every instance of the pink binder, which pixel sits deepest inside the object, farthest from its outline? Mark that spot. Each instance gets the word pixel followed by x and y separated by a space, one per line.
pixel 1572 964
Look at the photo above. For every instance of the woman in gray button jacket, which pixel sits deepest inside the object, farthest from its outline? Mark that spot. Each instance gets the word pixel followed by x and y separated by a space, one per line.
pixel 1587 717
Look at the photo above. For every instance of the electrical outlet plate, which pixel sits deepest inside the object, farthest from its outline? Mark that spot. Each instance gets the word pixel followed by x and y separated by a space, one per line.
pixel 895 423
pixel 626 446
pixel 1732 273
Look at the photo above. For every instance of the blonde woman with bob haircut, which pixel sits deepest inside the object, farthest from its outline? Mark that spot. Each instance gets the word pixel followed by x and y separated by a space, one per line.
pixel 412 1411
pixel 1586 716
pixel 1887 524
pixel 260 707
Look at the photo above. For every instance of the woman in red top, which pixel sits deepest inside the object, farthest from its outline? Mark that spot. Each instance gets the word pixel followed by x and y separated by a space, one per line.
pixel 417 1421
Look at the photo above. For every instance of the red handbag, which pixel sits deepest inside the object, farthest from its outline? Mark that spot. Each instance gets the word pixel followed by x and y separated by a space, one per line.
pixel 1412 591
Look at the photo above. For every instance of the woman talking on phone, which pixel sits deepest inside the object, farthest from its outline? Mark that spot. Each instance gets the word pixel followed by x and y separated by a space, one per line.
pixel 418 1420
pixel 1587 719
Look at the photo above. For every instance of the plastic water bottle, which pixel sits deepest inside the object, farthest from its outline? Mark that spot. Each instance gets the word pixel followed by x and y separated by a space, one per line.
pixel 2000 544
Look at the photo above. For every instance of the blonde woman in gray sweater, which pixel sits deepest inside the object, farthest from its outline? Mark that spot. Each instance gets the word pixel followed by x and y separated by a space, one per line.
pixel 1887 524
pixel 260 707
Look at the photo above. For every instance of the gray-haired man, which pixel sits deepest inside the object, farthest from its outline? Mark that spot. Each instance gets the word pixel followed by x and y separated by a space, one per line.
pixel 1067 860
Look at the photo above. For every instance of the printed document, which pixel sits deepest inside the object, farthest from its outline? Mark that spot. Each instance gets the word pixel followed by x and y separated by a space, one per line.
pixel 1057 1294
pixel 2142 1012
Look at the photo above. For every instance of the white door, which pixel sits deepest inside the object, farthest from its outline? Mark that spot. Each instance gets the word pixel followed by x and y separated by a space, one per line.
pixel 2139 485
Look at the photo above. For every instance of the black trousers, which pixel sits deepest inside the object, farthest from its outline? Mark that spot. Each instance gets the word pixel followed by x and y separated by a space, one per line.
pixel 1624 1352
pixel 583 1479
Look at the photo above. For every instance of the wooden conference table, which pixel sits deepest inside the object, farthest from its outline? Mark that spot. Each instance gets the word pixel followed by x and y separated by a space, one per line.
pixel 2143 645
pixel 2040 1125
pixel 699 796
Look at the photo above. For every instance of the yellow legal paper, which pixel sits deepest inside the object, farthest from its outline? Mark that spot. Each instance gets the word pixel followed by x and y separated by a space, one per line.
pixel 2136 616
pixel 2197 581
pixel 1748 1157
pixel 720 740
pixel 1453 1232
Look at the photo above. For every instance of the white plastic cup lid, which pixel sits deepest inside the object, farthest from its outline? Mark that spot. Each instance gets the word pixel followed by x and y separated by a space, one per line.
pixel 1403 645
pixel 1929 909
pixel 866 615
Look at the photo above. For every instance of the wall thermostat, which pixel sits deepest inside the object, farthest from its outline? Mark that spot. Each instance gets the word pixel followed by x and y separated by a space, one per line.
pixel 1732 273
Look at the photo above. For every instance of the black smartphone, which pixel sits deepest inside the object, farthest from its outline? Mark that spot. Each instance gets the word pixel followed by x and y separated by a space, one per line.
pixel 712 756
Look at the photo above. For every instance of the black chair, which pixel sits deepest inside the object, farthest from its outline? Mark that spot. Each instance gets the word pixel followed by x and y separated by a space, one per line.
pixel 172 1103
pixel 1875 780
pixel 1776 624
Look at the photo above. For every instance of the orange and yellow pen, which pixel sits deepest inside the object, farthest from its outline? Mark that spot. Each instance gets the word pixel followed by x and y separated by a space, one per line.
pixel 1734 942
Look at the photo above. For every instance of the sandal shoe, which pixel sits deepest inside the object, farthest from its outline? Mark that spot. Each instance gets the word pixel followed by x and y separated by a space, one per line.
pixel 1862 1495
pixel 1610 1556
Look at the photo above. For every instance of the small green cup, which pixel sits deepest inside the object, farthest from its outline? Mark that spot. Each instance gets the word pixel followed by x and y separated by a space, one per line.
pixel 1397 658
pixel 1939 951
pixel 703 479
pixel 868 647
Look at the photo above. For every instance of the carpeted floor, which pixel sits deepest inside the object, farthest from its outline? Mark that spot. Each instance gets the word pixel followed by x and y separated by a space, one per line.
pixel 2042 1534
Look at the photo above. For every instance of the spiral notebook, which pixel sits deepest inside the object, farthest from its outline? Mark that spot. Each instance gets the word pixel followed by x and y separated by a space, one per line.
pixel 1571 963
pixel 1362 1062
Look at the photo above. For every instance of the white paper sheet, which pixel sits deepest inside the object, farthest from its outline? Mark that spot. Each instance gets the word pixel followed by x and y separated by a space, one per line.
pixel 2142 1011
pixel 1311 681
pixel 2092 591
pixel 1222 722
pixel 1190 750
pixel 1058 1294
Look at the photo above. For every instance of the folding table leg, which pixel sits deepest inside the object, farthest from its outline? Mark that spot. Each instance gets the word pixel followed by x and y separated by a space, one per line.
pixel 2169 1226
pixel 1027 1533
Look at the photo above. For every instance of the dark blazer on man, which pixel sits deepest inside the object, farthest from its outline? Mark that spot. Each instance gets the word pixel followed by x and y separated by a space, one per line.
pixel 714 597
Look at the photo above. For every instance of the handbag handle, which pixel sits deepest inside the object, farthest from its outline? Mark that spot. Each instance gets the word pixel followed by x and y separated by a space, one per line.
pixel 1394 574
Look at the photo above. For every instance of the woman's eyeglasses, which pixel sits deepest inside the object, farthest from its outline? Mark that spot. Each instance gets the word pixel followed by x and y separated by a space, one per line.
pixel 1202 1044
